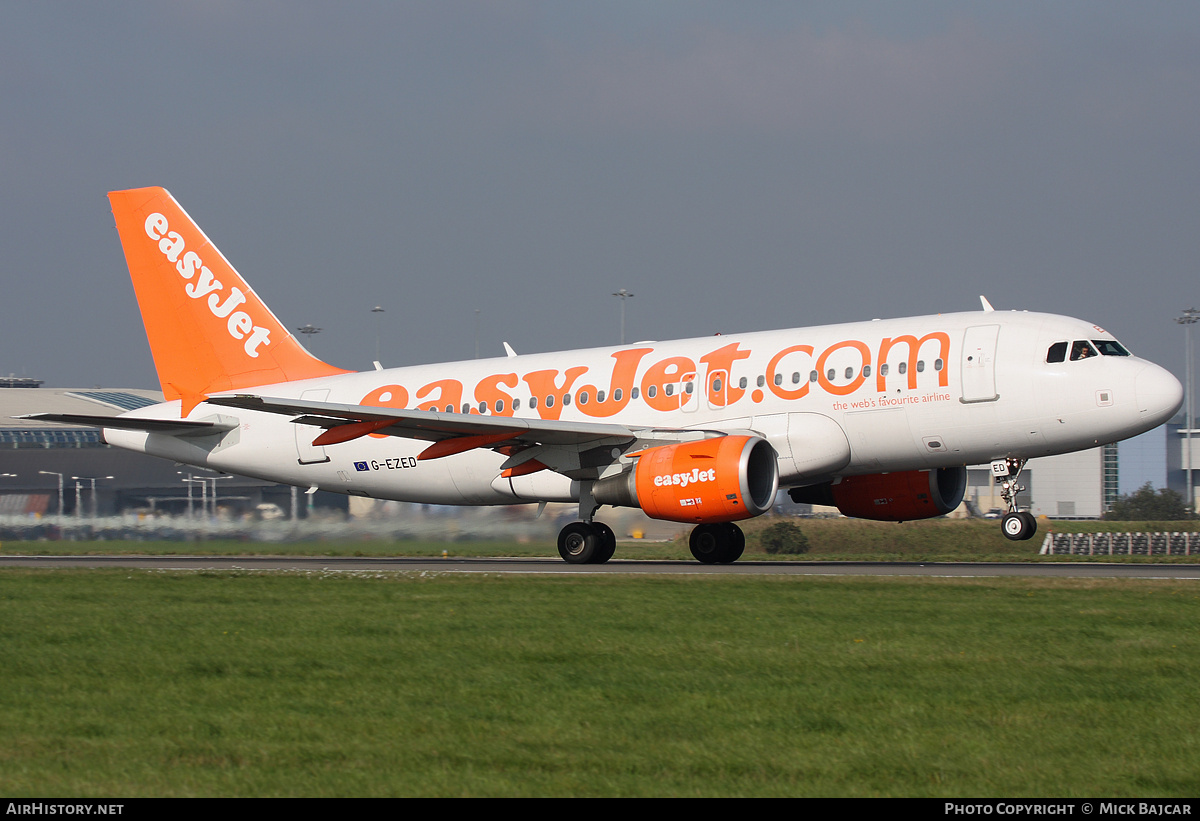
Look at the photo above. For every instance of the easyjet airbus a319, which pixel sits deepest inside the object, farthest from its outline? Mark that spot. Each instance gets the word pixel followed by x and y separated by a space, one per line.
pixel 878 418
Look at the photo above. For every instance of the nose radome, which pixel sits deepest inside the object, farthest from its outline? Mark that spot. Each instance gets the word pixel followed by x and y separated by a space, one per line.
pixel 1159 394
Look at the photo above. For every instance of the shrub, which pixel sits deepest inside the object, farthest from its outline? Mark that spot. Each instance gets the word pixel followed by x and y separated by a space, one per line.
pixel 1165 505
pixel 783 537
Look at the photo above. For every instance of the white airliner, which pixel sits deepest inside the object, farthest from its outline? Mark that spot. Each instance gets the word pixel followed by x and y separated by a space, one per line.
pixel 879 418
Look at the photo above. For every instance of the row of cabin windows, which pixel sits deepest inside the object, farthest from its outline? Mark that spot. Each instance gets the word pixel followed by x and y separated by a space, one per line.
pixel 583 398
pixel 1082 349
pixel 831 374
pixel 688 388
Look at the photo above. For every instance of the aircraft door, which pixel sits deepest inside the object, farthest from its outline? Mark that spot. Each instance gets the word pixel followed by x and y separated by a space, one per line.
pixel 979 364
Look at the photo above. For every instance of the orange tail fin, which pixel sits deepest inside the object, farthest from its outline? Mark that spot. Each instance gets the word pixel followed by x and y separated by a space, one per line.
pixel 208 331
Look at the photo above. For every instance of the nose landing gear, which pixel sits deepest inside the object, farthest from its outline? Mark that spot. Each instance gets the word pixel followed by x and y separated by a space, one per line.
pixel 1017 525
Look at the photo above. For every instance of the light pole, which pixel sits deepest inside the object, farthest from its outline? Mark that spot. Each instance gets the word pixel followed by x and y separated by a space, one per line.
pixel 191 480
pixel 214 479
pixel 60 489
pixel 377 310
pixel 623 294
pixel 308 331
pixel 1190 317
pixel 91 479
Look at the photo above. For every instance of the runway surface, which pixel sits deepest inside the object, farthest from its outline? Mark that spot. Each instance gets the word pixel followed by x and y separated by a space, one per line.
pixel 557 567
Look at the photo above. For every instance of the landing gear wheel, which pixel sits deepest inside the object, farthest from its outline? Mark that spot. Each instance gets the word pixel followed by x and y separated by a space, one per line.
pixel 578 543
pixel 1032 522
pixel 608 543
pixel 705 543
pixel 737 543
pixel 717 543
pixel 1018 526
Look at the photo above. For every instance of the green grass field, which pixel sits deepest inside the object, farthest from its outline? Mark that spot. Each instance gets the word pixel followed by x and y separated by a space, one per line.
pixel 131 683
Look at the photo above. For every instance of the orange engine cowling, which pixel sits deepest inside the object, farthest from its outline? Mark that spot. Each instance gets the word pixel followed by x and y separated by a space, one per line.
pixel 709 480
pixel 901 497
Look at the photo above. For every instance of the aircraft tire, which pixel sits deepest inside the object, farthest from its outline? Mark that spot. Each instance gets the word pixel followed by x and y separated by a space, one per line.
pixel 1018 527
pixel 1032 522
pixel 736 544
pixel 720 543
pixel 705 543
pixel 608 543
pixel 578 543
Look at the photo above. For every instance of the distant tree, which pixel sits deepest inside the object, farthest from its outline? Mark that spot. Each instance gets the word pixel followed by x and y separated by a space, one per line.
pixel 783 537
pixel 1147 505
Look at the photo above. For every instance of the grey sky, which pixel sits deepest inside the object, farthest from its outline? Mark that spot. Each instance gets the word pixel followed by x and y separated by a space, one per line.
pixel 738 166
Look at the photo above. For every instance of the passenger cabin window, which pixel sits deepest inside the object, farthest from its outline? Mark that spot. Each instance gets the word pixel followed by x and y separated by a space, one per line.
pixel 1057 352
pixel 1081 349
pixel 1110 347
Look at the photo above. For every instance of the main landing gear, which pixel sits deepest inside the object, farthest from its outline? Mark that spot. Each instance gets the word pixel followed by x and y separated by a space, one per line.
pixel 720 543
pixel 1017 525
pixel 595 543
pixel 587 543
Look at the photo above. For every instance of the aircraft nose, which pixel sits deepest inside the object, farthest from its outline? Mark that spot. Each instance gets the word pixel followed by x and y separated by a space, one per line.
pixel 1159 394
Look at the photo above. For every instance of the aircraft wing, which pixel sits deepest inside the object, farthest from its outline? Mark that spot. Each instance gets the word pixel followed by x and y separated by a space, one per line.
pixel 431 426
pixel 566 447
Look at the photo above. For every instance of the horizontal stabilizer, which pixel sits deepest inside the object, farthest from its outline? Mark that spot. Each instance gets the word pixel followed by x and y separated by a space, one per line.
pixel 172 427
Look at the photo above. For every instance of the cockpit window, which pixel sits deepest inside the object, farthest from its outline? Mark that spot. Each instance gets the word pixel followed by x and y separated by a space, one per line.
pixel 1080 349
pixel 1057 352
pixel 1110 347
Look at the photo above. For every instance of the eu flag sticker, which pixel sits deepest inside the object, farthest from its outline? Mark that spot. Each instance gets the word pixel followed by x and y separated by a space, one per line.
pixel 361 466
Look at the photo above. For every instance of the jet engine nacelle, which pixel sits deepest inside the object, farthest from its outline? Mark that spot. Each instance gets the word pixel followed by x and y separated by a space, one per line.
pixel 892 497
pixel 708 480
